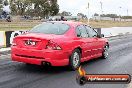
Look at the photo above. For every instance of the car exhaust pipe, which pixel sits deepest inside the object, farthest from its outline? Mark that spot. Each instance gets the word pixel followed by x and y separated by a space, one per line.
pixel 43 63
pixel 46 63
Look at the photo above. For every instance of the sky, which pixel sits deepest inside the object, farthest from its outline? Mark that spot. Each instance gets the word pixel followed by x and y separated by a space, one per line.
pixel 108 6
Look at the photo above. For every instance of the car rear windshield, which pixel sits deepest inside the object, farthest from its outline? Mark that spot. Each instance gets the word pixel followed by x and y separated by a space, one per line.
pixel 50 28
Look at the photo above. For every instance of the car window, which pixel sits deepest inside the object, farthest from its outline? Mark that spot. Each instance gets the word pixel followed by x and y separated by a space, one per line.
pixel 81 31
pixel 91 32
pixel 50 28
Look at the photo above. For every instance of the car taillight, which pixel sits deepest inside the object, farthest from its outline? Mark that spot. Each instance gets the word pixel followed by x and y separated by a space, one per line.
pixel 53 46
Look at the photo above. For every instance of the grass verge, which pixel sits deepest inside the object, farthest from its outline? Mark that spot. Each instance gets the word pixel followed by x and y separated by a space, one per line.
pixel 27 25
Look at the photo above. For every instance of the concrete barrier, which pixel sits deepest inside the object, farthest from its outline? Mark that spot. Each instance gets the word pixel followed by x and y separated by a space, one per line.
pixel 7 37
pixel 2 38
pixel 116 31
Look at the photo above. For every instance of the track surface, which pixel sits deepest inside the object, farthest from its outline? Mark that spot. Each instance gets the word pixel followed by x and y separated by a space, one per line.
pixel 18 75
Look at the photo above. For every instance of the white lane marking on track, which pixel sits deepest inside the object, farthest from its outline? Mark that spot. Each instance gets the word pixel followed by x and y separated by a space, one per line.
pixel 5 56
pixel 5 49
pixel 130 85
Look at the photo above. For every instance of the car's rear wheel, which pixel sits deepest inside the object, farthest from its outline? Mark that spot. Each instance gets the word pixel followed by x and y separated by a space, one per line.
pixel 74 61
pixel 105 53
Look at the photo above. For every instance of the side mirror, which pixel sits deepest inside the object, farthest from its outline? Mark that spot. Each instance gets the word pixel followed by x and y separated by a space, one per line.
pixel 101 35
pixel 78 34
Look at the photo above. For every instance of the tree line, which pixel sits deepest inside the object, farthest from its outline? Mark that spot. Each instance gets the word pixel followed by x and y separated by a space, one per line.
pixel 113 16
pixel 42 8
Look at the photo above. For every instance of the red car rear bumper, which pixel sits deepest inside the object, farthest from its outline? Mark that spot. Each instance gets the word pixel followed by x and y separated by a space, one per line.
pixel 54 57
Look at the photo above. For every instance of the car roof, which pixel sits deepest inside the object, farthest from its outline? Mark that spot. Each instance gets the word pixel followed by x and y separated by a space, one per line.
pixel 67 22
pixel 71 23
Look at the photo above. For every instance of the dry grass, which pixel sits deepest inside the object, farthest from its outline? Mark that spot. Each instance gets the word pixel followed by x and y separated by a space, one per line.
pixel 27 25
pixel 20 25
pixel 107 24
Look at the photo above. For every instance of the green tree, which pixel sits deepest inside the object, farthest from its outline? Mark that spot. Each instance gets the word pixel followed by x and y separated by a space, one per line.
pixel 109 15
pixel 82 15
pixel 18 7
pixel 43 8
pixel 96 14
pixel 13 7
pixel 54 9
pixel 1 3
pixel 126 17
pixel 65 13
pixel 6 2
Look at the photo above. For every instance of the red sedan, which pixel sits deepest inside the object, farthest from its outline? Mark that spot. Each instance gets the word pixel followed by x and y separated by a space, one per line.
pixel 59 44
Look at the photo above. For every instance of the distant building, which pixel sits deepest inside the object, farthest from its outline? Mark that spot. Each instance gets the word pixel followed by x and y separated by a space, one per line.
pixel 109 18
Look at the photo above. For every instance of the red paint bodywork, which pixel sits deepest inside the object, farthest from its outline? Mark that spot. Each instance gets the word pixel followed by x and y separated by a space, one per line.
pixel 90 47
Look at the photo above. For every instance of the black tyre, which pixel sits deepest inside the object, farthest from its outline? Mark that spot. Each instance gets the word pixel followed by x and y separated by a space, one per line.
pixel 74 61
pixel 27 64
pixel 105 53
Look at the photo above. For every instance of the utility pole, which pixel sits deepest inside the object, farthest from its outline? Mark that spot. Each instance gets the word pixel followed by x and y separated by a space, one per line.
pixel 88 14
pixel 101 5
pixel 127 13
pixel 120 13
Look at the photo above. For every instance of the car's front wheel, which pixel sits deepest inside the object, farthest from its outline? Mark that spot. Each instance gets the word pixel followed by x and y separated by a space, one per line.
pixel 105 52
pixel 74 61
